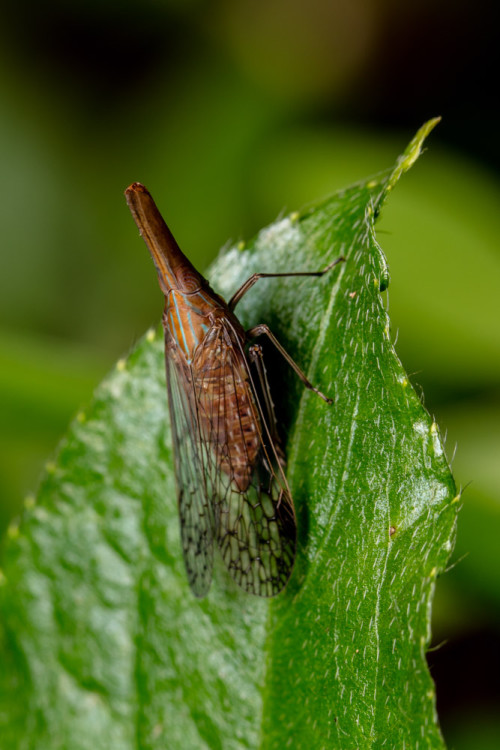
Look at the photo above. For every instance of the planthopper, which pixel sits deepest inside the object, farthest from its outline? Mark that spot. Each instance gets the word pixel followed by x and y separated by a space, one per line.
pixel 229 464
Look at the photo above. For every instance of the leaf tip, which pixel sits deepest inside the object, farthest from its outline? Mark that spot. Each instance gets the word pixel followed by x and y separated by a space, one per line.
pixel 412 152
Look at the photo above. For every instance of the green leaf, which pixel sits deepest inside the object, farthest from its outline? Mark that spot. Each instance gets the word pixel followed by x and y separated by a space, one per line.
pixel 103 645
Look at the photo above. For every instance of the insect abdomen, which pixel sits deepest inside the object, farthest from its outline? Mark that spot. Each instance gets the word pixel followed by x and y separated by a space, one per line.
pixel 228 415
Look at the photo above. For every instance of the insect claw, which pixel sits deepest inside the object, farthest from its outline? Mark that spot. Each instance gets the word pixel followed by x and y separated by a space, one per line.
pixel 335 262
pixel 326 399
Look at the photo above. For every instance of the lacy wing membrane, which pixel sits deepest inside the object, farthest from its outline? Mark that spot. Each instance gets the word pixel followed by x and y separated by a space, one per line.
pixel 195 510
pixel 254 521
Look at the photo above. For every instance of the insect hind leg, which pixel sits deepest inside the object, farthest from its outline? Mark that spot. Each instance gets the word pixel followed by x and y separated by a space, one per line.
pixel 256 356
pixel 263 330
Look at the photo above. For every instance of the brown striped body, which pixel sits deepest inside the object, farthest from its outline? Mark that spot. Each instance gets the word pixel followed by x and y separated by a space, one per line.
pixel 231 487
pixel 209 341
pixel 220 379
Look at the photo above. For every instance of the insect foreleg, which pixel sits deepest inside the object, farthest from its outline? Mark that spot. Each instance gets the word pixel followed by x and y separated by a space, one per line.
pixel 256 276
pixel 263 330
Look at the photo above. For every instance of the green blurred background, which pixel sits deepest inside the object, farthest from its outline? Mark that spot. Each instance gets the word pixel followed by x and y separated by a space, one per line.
pixel 231 112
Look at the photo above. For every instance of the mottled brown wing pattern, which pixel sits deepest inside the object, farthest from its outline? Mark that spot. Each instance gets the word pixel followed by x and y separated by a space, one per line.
pixel 195 510
pixel 254 522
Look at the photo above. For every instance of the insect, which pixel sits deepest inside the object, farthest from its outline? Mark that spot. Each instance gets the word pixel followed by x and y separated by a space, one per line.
pixel 229 465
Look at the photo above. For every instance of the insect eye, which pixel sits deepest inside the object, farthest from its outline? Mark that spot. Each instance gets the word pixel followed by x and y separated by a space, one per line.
pixel 188 280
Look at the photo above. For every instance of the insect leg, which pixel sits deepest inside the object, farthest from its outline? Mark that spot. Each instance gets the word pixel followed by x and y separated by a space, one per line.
pixel 263 330
pixel 256 356
pixel 256 276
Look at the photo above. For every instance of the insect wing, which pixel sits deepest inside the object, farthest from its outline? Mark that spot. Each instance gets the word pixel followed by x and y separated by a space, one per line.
pixel 196 517
pixel 254 521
